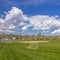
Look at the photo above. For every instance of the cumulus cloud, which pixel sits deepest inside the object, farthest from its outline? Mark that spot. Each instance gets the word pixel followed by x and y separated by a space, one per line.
pixel 1 20
pixel 56 31
pixel 16 20
pixel 44 22
pixel 13 19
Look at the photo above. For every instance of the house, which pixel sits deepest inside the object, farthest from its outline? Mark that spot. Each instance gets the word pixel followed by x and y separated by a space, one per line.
pixel 6 40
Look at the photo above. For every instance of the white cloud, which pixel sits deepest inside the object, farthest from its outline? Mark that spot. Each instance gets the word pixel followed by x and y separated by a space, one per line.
pixel 1 20
pixel 44 22
pixel 13 13
pixel 13 19
pixel 22 23
pixel 16 19
pixel 11 26
pixel 24 28
pixel 57 31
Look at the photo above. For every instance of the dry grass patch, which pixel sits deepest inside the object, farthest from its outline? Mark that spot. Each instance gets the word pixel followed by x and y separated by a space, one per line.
pixel 33 41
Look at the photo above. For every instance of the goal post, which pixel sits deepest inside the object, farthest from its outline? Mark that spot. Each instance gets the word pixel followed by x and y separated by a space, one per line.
pixel 33 46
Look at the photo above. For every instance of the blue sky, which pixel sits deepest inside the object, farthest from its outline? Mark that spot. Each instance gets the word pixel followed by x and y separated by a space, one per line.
pixel 27 12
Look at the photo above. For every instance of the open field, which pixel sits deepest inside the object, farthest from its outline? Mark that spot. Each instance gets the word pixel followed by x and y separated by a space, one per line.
pixel 18 51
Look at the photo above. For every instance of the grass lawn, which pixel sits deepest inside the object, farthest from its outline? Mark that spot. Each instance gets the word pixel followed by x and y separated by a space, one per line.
pixel 18 51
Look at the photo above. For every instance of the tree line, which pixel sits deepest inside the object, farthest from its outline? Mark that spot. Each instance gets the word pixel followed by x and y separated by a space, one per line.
pixel 28 37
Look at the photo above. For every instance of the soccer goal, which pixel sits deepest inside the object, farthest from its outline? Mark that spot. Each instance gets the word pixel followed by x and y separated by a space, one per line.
pixel 33 46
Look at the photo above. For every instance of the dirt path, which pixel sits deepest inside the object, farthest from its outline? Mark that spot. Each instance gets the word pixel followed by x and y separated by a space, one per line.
pixel 33 41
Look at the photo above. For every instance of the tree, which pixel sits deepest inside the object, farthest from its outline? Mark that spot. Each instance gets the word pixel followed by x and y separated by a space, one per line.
pixel 39 34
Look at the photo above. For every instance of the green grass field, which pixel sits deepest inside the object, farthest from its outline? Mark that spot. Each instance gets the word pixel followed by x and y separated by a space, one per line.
pixel 18 51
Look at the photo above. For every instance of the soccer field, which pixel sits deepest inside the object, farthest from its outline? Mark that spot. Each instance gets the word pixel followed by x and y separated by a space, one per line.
pixel 18 51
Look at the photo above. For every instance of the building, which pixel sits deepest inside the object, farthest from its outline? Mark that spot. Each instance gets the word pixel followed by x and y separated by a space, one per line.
pixel 6 40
